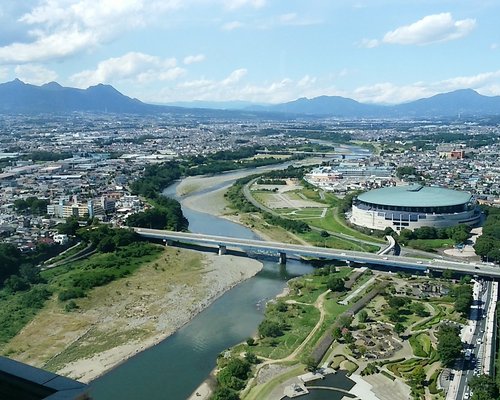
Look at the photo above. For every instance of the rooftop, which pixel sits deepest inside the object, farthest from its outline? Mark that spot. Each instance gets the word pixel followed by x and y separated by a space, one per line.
pixel 415 196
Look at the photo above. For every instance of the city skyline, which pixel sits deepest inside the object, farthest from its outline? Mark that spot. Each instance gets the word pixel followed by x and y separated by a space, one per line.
pixel 254 50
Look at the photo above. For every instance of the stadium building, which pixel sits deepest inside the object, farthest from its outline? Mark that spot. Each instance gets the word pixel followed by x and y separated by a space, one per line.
pixel 414 206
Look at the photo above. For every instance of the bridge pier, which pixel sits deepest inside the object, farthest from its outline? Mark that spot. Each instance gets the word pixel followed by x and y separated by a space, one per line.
pixel 168 242
pixel 222 250
pixel 282 259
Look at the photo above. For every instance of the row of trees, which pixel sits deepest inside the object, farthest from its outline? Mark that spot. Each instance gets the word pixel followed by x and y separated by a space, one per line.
pixel 462 294
pixel 458 233
pixel 155 178
pixel 225 160
pixel 288 224
pixel 166 212
pixel 449 346
pixel 32 205
pixel 488 244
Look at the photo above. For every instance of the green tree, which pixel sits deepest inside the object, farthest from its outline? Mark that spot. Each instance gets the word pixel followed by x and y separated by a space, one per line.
pixel 106 245
pixel 449 345
pixel 417 377
pixel 269 328
pixel 224 393
pixel 15 283
pixel 10 259
pixel 69 227
pixel 399 328
pixel 396 302
pixel 363 316
pixel 447 274
pixel 484 387
pixel 310 363
pixel 419 309
pixel 335 284
pixel 336 333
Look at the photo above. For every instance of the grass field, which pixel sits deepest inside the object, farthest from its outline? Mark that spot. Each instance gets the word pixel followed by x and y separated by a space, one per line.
pixel 431 244
pixel 55 337
pixel 421 345
pixel 332 222
pixel 315 238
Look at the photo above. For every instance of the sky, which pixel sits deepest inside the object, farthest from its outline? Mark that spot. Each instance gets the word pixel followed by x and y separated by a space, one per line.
pixel 264 51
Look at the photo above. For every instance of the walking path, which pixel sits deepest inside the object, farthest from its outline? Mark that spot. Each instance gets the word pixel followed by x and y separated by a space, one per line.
pixel 357 291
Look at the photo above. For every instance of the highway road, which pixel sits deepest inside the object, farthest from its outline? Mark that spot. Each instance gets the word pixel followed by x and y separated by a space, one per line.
pixel 437 264
pixel 473 366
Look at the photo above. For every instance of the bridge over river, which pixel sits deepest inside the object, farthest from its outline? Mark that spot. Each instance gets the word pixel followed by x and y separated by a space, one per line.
pixel 284 249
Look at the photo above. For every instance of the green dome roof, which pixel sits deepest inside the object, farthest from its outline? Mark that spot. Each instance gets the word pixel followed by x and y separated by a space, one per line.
pixel 415 196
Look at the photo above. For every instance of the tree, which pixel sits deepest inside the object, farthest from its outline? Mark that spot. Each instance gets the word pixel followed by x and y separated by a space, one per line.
pixel 106 245
pixel 310 363
pixel 399 328
pixel 419 309
pixel 268 328
pixel 417 377
pixel 15 283
pixel 336 333
pixel 363 316
pixel 238 368
pixel 335 284
pixel 224 393
pixel 484 387
pixel 394 315
pixel 69 227
pixel 10 258
pixel 449 345
pixel 397 302
pixel 251 358
pixel 447 274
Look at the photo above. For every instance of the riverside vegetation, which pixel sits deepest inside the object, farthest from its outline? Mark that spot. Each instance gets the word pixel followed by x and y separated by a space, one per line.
pixel 296 328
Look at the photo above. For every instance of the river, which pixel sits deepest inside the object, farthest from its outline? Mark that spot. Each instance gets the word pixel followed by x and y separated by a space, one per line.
pixel 174 368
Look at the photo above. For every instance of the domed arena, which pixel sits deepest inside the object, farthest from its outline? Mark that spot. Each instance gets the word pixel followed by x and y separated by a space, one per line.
pixel 414 206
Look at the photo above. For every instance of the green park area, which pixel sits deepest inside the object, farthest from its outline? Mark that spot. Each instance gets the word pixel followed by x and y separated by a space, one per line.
pixel 392 329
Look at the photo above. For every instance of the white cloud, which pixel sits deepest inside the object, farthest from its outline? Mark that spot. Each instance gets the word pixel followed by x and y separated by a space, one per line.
pixel 133 66
pixel 231 26
pixel 35 74
pixel 494 46
pixel 306 81
pixel 194 59
pixel 234 77
pixel 389 93
pixel 235 4
pixel 369 43
pixel 60 28
pixel 4 73
pixel 430 29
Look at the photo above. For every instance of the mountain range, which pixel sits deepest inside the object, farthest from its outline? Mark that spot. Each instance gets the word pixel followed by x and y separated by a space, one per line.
pixel 18 97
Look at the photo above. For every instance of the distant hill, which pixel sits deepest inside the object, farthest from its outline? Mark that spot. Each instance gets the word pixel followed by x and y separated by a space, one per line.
pixel 465 102
pixel 20 97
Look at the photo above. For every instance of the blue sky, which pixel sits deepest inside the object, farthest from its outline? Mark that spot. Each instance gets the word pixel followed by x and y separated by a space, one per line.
pixel 381 51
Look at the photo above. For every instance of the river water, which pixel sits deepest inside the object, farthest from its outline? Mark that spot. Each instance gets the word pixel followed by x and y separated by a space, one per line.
pixel 173 369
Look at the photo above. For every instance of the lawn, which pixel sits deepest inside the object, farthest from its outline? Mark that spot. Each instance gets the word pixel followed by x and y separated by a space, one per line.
pixel 300 319
pixel 431 244
pixel 421 345
pixel 334 223
pixel 334 242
